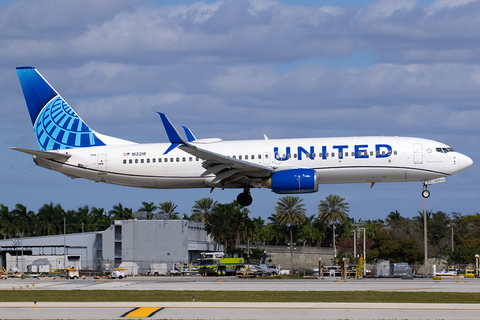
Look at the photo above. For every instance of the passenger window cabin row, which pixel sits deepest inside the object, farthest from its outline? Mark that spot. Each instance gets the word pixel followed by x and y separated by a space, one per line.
pixel 252 157
pixel 159 160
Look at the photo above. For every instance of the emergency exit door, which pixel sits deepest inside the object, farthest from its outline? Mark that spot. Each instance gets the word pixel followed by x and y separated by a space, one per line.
pixel 417 153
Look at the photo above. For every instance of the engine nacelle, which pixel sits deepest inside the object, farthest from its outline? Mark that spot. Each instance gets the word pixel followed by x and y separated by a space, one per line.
pixel 293 181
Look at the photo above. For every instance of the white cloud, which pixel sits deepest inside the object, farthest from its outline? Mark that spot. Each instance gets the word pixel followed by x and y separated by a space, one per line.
pixel 238 32
pixel 438 5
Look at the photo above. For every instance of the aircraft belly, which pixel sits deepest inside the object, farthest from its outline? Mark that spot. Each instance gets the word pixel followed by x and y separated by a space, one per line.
pixel 374 174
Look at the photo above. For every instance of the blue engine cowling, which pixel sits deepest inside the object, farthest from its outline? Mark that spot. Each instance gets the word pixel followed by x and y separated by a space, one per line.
pixel 293 181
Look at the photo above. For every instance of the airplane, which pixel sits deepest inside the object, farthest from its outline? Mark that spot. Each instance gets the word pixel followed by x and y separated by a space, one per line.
pixel 286 166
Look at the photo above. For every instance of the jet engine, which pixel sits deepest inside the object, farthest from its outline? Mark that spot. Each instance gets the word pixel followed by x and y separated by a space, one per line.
pixel 293 181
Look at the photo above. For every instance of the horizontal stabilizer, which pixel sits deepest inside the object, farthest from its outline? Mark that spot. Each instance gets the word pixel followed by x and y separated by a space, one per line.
pixel 51 155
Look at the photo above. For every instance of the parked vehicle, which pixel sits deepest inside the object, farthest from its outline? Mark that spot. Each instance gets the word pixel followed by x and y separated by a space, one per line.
pixel 214 263
pixel 72 273
pixel 118 273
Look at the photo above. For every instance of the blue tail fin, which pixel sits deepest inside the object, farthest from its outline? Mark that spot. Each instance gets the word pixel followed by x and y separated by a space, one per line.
pixel 56 125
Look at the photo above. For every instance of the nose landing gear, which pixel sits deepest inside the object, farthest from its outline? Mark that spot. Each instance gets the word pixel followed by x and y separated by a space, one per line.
pixel 425 192
pixel 244 198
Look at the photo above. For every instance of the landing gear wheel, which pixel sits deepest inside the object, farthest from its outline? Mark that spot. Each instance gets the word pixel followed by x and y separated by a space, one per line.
pixel 425 194
pixel 244 199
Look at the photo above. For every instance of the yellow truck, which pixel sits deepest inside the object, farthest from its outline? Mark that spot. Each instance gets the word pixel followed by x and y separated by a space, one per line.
pixel 214 264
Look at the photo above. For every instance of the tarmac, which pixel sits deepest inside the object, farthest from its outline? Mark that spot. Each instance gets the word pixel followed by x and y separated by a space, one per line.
pixel 240 310
pixel 197 283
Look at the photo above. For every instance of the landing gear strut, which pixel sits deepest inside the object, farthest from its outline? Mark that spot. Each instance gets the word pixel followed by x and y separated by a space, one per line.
pixel 244 198
pixel 425 192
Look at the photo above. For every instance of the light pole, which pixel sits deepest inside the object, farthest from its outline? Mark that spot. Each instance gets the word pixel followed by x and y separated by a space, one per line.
pixel 452 238
pixel 364 251
pixel 64 243
pixel 334 244
pixel 425 235
pixel 354 246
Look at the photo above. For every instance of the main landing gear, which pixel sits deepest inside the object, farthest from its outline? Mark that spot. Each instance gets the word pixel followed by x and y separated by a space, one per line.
pixel 425 192
pixel 244 198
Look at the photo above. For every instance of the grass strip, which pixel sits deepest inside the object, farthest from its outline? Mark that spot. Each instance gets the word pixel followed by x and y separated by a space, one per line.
pixel 236 296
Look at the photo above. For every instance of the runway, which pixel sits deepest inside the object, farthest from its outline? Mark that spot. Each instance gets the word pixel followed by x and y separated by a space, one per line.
pixel 239 310
pixel 232 310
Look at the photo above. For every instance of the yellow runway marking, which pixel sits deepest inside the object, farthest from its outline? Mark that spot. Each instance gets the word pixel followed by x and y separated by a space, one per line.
pixel 141 312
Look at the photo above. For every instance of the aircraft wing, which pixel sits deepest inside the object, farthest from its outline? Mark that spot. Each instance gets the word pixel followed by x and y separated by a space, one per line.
pixel 51 155
pixel 226 169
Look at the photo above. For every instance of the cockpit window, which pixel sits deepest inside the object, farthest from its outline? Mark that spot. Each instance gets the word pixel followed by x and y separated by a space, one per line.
pixel 444 150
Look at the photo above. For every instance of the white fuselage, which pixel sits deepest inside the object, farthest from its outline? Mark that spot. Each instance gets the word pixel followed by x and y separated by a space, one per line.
pixel 336 160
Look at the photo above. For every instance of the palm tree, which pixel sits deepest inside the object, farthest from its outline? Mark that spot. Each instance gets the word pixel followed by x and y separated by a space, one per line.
pixel 23 220
pixel 217 224
pixel 149 208
pixel 333 210
pixel 310 232
pixel 289 211
pixel 82 218
pixel 167 209
pixel 421 221
pixel 50 219
pixel 258 234
pixel 7 226
pixel 248 232
pixel 202 209
pixel 99 220
pixel 394 216
pixel 121 213
pixel 237 220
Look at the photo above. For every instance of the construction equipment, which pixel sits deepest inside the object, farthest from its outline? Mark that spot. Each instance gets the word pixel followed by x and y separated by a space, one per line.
pixel 214 263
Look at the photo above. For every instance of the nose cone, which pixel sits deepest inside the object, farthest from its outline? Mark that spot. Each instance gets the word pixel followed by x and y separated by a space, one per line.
pixel 464 162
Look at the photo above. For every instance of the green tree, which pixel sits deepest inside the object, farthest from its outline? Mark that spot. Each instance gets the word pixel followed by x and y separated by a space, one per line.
pixel 83 214
pixel 99 219
pixel 120 213
pixel 24 220
pixel 310 231
pixel 149 208
pixel 394 216
pixel 290 211
pixel 7 225
pixel 167 209
pixel 259 234
pixel 420 220
pixel 467 238
pixel 217 224
pixel 50 220
pixel 248 232
pixel 202 209
pixel 333 210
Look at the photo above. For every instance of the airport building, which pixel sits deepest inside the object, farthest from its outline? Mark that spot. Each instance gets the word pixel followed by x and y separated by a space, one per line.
pixel 144 242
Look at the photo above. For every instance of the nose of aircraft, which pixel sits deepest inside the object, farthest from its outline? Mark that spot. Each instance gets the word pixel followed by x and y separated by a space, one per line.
pixel 464 162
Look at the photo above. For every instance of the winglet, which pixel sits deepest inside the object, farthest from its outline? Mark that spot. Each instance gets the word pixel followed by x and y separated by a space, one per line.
pixel 172 133
pixel 190 136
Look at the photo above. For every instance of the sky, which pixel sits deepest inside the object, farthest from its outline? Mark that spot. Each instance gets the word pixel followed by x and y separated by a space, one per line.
pixel 240 69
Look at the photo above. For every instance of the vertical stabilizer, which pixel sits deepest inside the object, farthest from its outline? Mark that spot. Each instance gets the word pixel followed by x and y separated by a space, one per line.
pixel 55 123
